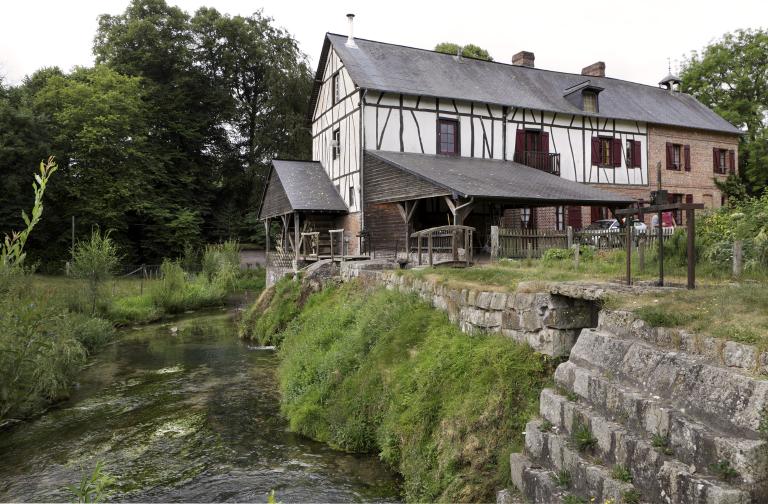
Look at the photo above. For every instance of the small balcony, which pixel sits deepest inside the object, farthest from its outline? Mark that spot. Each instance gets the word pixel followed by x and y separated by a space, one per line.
pixel 543 161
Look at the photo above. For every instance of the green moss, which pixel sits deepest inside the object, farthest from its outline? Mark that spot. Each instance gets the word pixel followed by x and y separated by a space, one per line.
pixel 277 306
pixel 374 370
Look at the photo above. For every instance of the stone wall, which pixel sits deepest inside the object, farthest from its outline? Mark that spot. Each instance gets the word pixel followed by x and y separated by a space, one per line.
pixel 547 322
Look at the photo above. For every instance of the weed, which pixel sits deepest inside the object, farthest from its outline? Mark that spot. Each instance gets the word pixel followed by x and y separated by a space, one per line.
pixel 661 443
pixel 724 471
pixel 562 478
pixel 574 499
pixel 92 488
pixel 583 437
pixel 631 496
pixel 545 426
pixel 621 473
pixel 763 426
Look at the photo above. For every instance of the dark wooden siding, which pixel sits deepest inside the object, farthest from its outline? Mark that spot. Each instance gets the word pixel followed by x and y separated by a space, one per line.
pixel 386 227
pixel 383 182
pixel 275 200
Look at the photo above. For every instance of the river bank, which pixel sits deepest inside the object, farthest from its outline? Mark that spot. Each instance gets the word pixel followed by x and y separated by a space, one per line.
pixel 190 415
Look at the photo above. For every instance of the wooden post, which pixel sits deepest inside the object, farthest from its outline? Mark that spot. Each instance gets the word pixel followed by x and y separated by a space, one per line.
pixel 569 236
pixel 429 246
pixel 494 243
pixel 641 253
pixel 296 238
pixel 266 233
pixel 576 251
pixel 529 250
pixel 418 247
pixel 331 234
pixel 738 257
pixel 467 245
pixel 628 224
pixel 689 218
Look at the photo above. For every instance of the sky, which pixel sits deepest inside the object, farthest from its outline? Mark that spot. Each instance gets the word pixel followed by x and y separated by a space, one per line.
pixel 634 39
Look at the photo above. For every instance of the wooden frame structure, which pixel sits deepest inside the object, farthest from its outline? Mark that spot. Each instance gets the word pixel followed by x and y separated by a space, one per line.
pixel 659 209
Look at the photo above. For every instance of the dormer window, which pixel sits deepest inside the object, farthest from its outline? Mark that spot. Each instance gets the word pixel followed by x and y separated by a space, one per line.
pixel 590 101
pixel 584 97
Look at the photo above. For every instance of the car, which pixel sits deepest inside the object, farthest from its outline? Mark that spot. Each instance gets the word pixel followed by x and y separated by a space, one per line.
pixel 606 233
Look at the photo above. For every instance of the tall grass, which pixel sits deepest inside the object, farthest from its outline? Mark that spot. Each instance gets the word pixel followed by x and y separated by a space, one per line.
pixel 265 320
pixel 384 372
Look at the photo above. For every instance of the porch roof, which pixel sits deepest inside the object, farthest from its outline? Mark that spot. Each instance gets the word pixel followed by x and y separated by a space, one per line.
pixel 302 186
pixel 485 178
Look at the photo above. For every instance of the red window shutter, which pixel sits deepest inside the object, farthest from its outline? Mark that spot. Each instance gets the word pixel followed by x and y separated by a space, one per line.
pixel 574 217
pixel 595 151
pixel 544 142
pixel 637 154
pixel 616 152
pixel 670 156
pixel 687 158
pixel 689 198
pixel 716 160
pixel 519 143
pixel 731 161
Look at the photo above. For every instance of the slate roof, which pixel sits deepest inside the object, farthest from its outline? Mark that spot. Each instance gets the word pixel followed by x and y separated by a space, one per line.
pixel 486 178
pixel 397 69
pixel 307 187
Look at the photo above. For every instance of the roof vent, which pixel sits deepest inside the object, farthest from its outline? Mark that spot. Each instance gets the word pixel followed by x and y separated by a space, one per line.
pixel 351 37
pixel 671 82
pixel 594 70
pixel 523 58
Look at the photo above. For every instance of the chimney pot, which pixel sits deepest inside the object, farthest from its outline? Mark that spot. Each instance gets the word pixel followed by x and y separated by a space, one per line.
pixel 594 70
pixel 351 37
pixel 524 58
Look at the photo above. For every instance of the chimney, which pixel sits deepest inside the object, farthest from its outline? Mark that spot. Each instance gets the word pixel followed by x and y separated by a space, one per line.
pixel 523 58
pixel 351 37
pixel 594 70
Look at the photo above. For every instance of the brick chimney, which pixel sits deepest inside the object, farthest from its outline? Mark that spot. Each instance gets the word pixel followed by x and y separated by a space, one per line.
pixel 523 58
pixel 594 70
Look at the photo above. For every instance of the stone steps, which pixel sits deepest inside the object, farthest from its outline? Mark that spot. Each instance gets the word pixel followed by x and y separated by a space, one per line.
pixel 721 397
pixel 587 479
pixel 691 441
pixel 653 470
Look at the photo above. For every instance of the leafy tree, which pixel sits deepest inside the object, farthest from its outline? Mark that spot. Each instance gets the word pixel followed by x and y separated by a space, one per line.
pixel 469 50
pixel 731 76
pixel 95 260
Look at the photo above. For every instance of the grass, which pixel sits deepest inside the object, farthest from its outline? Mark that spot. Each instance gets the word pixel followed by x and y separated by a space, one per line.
pixel 563 478
pixel 661 443
pixel 631 496
pixel 583 438
pixel 621 473
pixel 380 371
pixel 724 471
pixel 265 320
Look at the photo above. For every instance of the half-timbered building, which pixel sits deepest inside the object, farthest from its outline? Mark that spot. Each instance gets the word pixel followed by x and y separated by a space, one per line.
pixel 409 138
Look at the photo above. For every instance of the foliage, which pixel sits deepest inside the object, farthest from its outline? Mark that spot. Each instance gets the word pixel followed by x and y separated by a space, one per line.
pixel 574 499
pixel 621 473
pixel 661 443
pixel 724 471
pixel 631 496
pixel 763 425
pixel 95 260
pixel 468 51
pixel 586 253
pixel 583 437
pixel 94 487
pixel 174 124
pixel 176 293
pixel 277 306
pixel 563 478
pixel 221 263
pixel 381 371
pixel 731 76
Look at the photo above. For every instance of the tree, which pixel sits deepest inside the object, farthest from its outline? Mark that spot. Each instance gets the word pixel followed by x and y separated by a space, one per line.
pixel 731 76
pixel 95 261
pixel 469 50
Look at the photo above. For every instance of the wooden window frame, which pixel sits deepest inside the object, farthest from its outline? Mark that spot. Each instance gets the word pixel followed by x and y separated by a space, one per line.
pixel 605 140
pixel 336 144
pixel 335 89
pixel 351 195
pixel 722 168
pixel 457 137
pixel 584 96
pixel 679 165
pixel 560 218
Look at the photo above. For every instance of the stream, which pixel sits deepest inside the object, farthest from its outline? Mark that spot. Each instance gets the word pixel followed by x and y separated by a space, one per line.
pixel 185 416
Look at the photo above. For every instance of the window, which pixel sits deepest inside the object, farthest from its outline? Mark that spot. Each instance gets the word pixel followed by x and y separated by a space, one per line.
pixel 634 154
pixel 590 101
pixel 605 152
pixel 448 137
pixel 526 218
pixel 724 161
pixel 351 196
pixel 560 218
pixel 678 157
pixel 336 144
pixel 335 89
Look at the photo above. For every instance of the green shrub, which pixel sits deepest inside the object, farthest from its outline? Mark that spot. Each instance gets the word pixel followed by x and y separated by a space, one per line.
pixel 277 306
pixel 724 470
pixel 621 473
pixel 95 260
pixel 176 293
pixel 382 371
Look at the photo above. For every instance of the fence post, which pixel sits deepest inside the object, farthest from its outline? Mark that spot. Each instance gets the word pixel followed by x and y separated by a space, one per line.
pixel 529 250
pixel 576 251
pixel 569 236
pixel 494 243
pixel 641 253
pixel 738 256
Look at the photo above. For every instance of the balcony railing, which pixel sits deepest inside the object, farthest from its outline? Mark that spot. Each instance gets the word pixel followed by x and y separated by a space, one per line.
pixel 543 161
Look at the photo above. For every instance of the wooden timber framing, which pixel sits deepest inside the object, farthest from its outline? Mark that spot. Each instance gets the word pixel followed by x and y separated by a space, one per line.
pixel 453 233
pixel 406 209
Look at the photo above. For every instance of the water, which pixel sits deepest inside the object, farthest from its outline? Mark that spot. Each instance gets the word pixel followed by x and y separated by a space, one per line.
pixel 185 416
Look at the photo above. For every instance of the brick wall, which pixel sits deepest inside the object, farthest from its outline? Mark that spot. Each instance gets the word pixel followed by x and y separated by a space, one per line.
pixel 351 225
